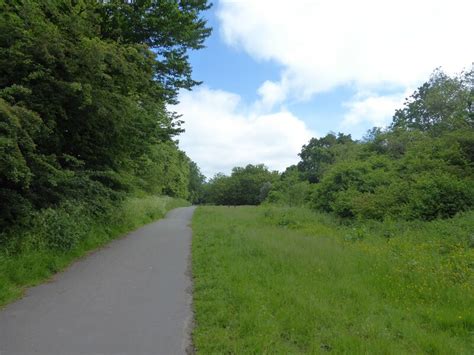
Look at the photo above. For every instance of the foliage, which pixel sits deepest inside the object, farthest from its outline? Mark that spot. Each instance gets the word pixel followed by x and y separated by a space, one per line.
pixel 292 281
pixel 443 103
pixel 83 92
pixel 433 178
pixel 290 189
pixel 320 153
pixel 163 170
pixel 169 27
pixel 196 184
pixel 421 167
pixel 245 186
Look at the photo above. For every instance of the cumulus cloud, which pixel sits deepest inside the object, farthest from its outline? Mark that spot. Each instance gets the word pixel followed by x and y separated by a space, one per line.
pixel 372 108
pixel 221 132
pixel 369 46
pixel 367 43
pixel 270 94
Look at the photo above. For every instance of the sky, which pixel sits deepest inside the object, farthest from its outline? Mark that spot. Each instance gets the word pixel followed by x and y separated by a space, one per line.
pixel 276 73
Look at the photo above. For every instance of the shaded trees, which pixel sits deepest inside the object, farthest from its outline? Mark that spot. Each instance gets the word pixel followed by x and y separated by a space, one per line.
pixel 196 183
pixel 83 92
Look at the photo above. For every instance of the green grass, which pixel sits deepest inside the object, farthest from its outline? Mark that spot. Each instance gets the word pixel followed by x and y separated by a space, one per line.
pixel 287 280
pixel 34 254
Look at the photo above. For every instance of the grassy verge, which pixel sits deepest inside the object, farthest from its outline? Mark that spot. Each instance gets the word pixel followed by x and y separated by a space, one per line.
pixel 285 281
pixel 57 237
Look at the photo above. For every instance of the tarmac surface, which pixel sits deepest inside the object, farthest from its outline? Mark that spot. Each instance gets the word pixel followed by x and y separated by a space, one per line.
pixel 131 297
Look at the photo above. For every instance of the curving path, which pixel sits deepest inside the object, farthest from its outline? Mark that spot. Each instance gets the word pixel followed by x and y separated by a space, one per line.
pixel 132 297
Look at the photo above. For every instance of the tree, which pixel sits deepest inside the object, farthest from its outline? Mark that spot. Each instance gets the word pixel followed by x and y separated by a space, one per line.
pixel 170 28
pixel 290 189
pixel 216 191
pixel 421 167
pixel 318 154
pixel 442 103
pixel 91 80
pixel 245 186
pixel 196 182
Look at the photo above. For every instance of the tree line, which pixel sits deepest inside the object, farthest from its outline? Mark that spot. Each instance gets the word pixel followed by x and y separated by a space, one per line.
pixel 420 167
pixel 84 89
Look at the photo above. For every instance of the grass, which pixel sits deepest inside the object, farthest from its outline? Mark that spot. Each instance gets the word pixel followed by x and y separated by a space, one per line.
pixel 58 237
pixel 288 281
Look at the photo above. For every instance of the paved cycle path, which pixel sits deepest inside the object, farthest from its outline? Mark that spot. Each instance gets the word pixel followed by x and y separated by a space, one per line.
pixel 131 297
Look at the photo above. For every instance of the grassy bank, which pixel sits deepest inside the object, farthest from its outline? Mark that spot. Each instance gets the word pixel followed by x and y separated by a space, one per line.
pixel 56 237
pixel 279 280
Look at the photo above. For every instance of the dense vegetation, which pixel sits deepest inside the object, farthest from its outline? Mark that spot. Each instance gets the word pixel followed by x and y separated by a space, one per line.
pixel 288 280
pixel 84 125
pixel 245 186
pixel 421 167
pixel 83 92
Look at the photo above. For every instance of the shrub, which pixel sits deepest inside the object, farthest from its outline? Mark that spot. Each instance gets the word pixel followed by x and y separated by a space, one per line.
pixel 59 228
pixel 439 195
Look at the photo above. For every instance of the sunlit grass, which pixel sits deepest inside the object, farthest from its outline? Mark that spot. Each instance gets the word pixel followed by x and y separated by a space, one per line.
pixel 279 280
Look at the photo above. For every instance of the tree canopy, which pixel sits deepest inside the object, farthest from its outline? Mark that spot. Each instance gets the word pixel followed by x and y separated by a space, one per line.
pixel 247 185
pixel 420 167
pixel 83 92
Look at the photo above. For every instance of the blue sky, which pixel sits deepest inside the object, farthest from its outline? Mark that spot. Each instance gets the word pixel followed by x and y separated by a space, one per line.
pixel 275 74
pixel 229 68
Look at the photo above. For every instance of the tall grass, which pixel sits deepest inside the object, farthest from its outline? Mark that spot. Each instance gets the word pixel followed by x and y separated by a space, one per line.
pixel 53 238
pixel 288 280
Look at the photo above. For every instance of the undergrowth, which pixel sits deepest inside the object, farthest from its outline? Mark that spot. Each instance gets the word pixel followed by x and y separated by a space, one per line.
pixel 54 237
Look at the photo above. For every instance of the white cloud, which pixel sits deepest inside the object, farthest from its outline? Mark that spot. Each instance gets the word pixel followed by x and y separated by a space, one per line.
pixel 372 108
pixel 367 43
pixel 222 133
pixel 270 94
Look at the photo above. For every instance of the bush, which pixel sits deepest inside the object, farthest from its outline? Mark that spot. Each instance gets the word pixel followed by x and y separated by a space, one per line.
pixel 59 229
pixel 291 193
pixel 245 186
pixel 62 228
pixel 439 195
pixel 431 179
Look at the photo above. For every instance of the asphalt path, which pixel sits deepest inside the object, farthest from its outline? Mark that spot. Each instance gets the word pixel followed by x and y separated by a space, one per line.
pixel 131 297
